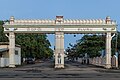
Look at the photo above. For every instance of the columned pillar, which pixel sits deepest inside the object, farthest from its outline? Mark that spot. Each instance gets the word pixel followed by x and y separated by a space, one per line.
pixel 108 50
pixel 11 49
pixel 59 49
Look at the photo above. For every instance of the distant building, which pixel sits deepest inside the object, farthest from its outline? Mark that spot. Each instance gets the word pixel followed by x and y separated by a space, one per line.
pixel 4 54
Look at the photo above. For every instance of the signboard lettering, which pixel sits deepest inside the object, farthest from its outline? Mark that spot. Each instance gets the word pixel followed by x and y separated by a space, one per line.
pixel 84 29
pixel 33 29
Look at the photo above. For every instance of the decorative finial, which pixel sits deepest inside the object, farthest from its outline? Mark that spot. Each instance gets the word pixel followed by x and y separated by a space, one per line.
pixel 59 19
pixel 108 20
pixel 12 19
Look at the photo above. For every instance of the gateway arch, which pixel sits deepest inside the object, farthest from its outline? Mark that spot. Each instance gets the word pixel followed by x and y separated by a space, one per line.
pixel 59 27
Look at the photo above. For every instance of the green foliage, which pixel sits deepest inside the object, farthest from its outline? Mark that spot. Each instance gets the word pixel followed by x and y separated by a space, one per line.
pixel 3 38
pixel 33 45
pixel 116 43
pixel 90 44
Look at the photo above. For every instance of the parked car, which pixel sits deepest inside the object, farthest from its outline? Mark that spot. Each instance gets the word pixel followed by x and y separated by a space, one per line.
pixel 30 61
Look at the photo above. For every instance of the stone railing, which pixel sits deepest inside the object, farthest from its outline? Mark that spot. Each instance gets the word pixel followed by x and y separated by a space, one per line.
pixel 98 61
pixel 70 21
pixel 33 22
pixel 67 21
pixel 62 21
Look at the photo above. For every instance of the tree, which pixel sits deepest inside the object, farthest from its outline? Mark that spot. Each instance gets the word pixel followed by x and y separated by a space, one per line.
pixel 116 43
pixel 3 38
pixel 90 44
pixel 33 45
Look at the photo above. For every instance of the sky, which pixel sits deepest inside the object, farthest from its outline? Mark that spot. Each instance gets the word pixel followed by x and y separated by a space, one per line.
pixel 70 9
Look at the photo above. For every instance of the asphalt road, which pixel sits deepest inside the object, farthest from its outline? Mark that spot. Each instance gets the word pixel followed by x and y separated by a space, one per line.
pixel 45 71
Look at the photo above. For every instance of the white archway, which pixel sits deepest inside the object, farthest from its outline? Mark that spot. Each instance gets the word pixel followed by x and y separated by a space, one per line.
pixel 59 27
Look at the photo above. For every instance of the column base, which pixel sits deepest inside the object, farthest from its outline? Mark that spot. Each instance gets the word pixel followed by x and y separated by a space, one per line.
pixel 59 65
pixel 12 66
pixel 108 66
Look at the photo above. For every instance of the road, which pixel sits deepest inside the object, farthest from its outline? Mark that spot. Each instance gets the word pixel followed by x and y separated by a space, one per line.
pixel 45 71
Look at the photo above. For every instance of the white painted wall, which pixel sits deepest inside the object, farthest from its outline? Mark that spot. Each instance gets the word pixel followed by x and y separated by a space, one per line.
pixel 18 57
pixel 4 61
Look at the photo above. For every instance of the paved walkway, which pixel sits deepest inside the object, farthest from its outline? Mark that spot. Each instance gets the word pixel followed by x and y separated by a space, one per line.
pixel 45 71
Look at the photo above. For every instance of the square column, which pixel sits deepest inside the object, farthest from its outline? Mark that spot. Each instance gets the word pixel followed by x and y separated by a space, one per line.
pixel 108 50
pixel 11 49
pixel 59 50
